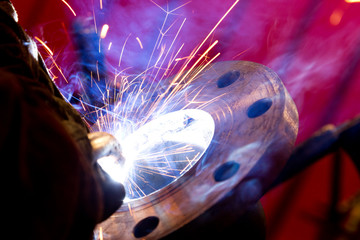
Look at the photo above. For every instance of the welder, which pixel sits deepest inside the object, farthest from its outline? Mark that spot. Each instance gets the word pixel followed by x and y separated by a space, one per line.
pixel 52 187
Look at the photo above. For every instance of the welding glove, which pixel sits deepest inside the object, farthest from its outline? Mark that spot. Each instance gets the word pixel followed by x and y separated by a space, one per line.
pixel 103 145
pixel 52 186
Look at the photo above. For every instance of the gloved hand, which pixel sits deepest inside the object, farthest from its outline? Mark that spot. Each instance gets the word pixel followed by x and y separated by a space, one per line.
pixel 104 145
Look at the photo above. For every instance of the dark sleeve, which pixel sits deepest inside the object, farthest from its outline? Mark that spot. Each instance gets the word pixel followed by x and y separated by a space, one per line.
pixel 49 187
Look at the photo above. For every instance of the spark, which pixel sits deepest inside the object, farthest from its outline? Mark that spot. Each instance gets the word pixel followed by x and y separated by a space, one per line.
pixel 162 29
pixel 352 1
pixel 241 53
pixel 167 11
pixel 139 190
pixel 51 56
pixel 180 74
pixel 336 16
pixel 59 69
pixel 133 105
pixel 190 163
pixel 130 210
pixel 98 74
pixel 122 49
pixel 139 41
pixel 68 5
pixel 180 58
pixel 199 59
pixel 183 77
pixel 104 30
pixel 101 4
pixel 82 104
pixel 216 26
pixel 94 19
pixel 45 46
pixel 171 46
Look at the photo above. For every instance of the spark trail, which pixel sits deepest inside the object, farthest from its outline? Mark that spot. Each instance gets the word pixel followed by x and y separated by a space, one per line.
pixel 132 103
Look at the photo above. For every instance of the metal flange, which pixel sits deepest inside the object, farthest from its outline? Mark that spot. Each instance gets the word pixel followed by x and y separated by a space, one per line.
pixel 255 127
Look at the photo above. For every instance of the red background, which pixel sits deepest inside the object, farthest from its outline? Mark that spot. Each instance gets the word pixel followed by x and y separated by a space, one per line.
pixel 312 45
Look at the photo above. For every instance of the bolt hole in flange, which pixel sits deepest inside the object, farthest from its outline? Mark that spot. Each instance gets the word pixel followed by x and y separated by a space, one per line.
pixel 145 226
pixel 228 78
pixel 226 171
pixel 259 107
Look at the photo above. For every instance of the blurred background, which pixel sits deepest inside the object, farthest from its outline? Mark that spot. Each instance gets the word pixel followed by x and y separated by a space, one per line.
pixel 314 47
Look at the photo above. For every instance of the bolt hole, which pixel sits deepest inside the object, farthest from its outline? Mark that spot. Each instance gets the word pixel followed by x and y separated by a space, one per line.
pixel 145 226
pixel 259 107
pixel 226 171
pixel 228 78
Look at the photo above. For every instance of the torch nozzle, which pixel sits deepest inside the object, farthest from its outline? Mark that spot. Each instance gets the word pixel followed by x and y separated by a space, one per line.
pixel 105 145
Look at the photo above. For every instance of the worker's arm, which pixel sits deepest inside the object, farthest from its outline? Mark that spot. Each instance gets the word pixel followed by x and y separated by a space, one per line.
pixel 52 186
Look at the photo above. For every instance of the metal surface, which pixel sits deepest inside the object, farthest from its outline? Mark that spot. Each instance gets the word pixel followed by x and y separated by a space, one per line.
pixel 255 127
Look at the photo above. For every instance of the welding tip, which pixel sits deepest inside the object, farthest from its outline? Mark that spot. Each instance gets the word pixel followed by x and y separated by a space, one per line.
pixel 104 145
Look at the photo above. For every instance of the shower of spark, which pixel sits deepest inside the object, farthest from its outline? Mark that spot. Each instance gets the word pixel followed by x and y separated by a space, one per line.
pixel 131 103
pixel 161 150
pixel 51 57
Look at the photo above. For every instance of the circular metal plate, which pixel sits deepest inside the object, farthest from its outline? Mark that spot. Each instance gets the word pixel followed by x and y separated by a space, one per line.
pixel 255 126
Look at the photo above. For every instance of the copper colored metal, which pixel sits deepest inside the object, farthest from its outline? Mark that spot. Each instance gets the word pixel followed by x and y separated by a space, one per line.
pixel 256 125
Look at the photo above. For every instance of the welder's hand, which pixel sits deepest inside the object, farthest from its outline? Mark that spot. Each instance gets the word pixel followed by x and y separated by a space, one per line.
pixel 103 145
pixel 95 146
